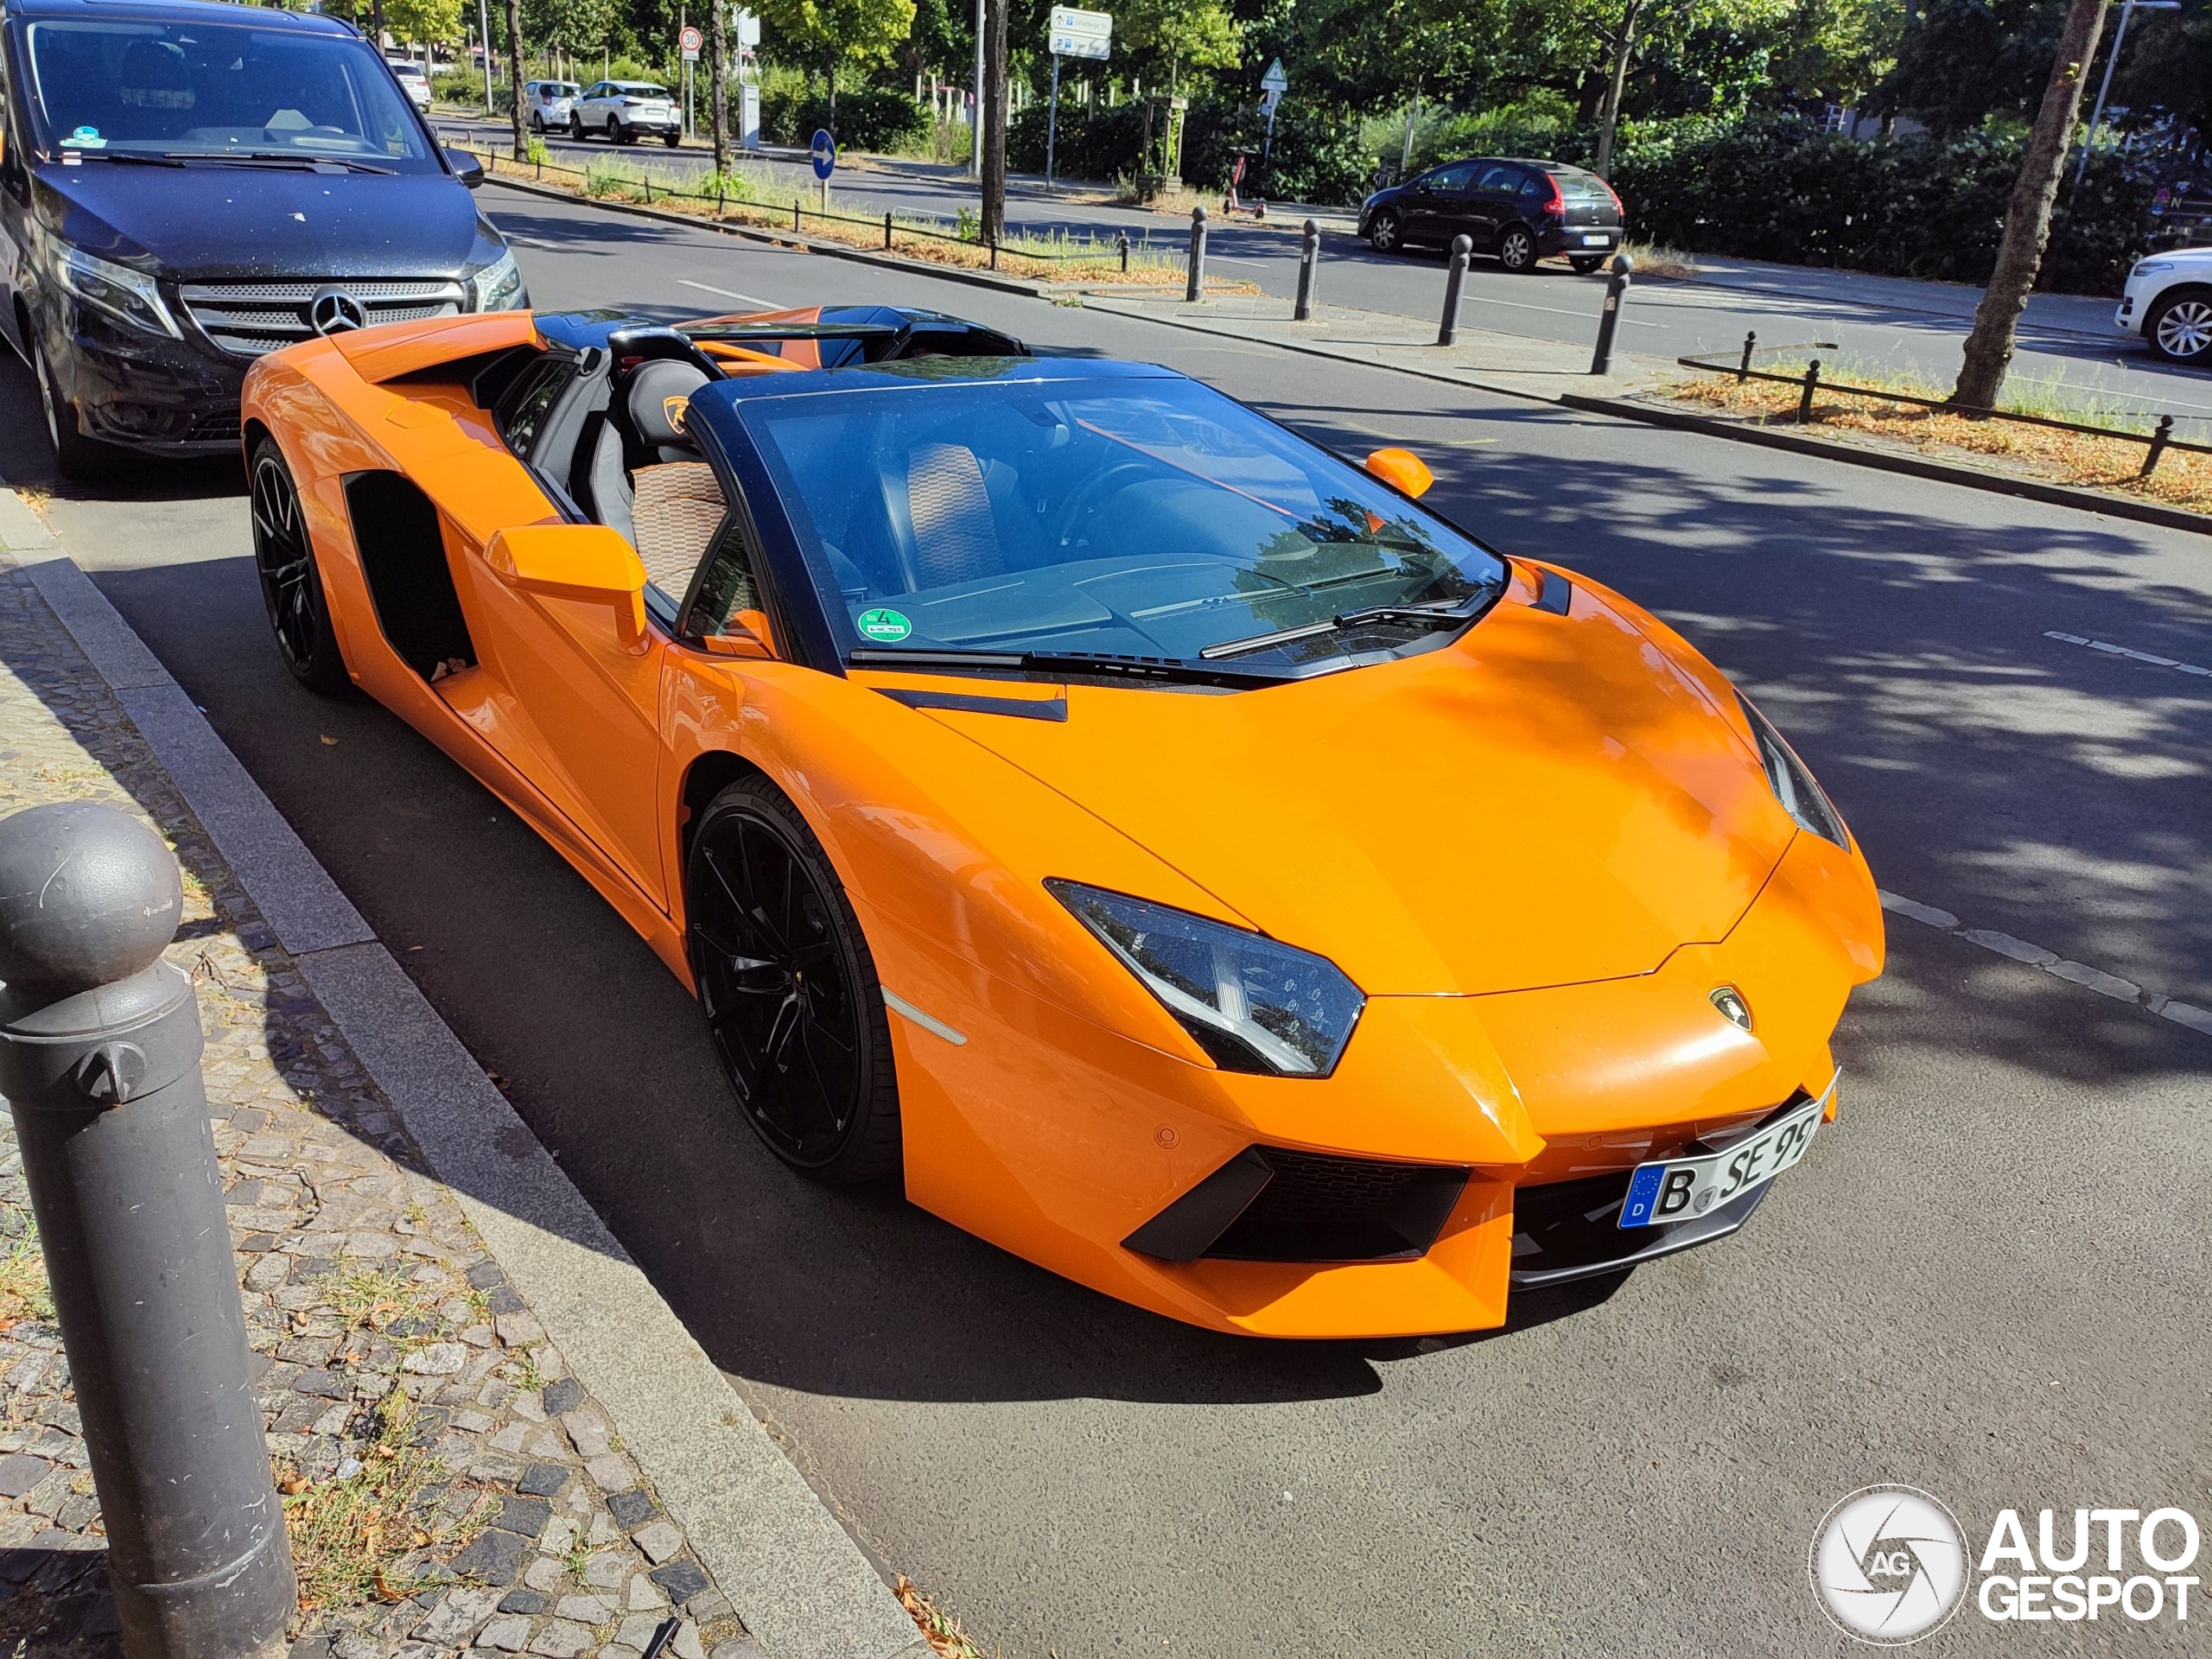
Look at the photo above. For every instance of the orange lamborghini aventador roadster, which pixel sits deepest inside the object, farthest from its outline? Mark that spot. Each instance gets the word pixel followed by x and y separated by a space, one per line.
pixel 1171 850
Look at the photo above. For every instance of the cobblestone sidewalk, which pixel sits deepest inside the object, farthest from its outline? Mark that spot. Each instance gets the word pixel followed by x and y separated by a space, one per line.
pixel 448 1485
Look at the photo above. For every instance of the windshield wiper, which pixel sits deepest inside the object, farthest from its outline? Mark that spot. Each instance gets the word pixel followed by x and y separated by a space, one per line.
pixel 295 159
pixel 1444 614
pixel 73 152
pixel 1105 664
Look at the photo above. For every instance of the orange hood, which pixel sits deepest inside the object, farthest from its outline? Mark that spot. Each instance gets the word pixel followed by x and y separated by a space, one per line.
pixel 1550 800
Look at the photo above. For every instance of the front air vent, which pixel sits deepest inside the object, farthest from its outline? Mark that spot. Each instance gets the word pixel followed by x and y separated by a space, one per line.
pixel 1269 1203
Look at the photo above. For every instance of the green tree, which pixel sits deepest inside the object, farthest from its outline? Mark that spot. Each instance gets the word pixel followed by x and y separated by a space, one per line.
pixel 578 28
pixel 834 34
pixel 423 20
pixel 1185 34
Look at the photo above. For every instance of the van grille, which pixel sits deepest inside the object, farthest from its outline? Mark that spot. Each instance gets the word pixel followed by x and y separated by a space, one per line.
pixel 246 318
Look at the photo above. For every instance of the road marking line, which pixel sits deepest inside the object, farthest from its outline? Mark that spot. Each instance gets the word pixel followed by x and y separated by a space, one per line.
pixel 1558 311
pixel 2034 956
pixel 727 293
pixel 2123 651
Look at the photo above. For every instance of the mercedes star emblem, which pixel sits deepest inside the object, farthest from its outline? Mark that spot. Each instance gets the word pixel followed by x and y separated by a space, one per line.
pixel 336 311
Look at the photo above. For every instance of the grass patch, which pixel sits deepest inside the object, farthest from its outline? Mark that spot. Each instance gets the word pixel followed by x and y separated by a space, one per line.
pixel 379 1300
pixel 2182 480
pixel 1655 263
pixel 938 1628
pixel 349 1537
pixel 745 196
pixel 23 1291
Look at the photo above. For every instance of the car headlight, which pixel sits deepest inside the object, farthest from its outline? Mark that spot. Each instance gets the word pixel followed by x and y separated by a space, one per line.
pixel 1792 783
pixel 130 297
pixel 1252 1004
pixel 2147 266
pixel 497 286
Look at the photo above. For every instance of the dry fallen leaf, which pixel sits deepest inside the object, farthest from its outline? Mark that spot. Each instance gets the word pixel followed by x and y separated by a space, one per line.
pixel 329 741
pixel 291 1483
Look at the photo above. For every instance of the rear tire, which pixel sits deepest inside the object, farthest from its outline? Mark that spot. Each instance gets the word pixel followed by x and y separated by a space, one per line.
pixel 671 139
pixel 789 989
pixel 1516 249
pixel 76 457
pixel 1584 263
pixel 537 123
pixel 1386 232
pixel 291 586
pixel 2179 327
pixel 615 134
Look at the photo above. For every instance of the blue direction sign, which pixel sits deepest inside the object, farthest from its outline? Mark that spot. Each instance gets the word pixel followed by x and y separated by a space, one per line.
pixel 822 152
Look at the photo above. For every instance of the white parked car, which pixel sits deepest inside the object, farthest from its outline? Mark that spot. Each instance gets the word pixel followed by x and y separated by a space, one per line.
pixel 413 80
pixel 623 109
pixel 549 103
pixel 2168 301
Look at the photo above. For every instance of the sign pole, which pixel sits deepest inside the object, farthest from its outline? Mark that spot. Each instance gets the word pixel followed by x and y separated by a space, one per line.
pixel 1052 122
pixel 975 115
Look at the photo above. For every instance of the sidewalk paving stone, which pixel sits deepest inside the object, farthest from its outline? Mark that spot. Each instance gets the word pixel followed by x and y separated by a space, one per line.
pixel 392 1360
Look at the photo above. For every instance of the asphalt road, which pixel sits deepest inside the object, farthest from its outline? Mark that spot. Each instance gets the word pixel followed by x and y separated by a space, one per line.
pixel 1988 1279
pixel 1899 331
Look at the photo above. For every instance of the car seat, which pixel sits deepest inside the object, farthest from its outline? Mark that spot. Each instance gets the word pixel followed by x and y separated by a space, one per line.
pixel 668 504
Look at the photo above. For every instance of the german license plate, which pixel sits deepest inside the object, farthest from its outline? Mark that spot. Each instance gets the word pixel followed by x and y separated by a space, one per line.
pixel 1682 1189
pixel 1595 241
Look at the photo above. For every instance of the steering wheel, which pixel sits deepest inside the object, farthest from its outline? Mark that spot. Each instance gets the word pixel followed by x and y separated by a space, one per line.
pixel 1095 490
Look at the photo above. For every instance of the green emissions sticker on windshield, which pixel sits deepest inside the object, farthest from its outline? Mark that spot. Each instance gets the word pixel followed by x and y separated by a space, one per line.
pixel 887 626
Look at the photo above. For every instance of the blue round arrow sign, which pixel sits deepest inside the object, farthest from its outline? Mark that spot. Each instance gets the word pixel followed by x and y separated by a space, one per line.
pixel 823 152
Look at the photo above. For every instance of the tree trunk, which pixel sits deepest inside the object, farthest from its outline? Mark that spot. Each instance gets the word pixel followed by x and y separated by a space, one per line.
pixel 1609 118
pixel 2027 218
pixel 994 221
pixel 514 75
pixel 829 74
pixel 718 80
pixel 376 24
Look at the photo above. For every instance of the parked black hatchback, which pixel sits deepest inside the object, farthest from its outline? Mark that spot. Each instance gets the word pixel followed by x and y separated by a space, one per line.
pixel 1520 211
pixel 185 186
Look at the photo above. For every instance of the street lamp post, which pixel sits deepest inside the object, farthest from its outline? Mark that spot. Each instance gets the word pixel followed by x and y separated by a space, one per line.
pixel 2127 9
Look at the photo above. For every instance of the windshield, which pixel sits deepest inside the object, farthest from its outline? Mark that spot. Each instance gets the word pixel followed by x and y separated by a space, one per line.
pixel 201 89
pixel 1146 517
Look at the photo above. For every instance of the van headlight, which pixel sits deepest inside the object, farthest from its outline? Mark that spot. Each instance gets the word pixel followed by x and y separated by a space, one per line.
pixel 1253 1004
pixel 131 297
pixel 497 286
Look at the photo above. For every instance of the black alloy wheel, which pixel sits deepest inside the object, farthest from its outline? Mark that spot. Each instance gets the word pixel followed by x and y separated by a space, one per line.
pixel 1385 233
pixel 789 989
pixel 76 457
pixel 291 588
pixel 1516 249
pixel 615 132
pixel 576 127
pixel 1584 263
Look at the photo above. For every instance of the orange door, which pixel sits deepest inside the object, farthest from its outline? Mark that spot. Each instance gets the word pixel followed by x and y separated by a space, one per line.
pixel 588 682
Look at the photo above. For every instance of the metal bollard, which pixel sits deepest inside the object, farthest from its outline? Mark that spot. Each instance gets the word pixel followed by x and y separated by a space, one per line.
pixel 1309 260
pixel 794 215
pixel 1805 397
pixel 1122 243
pixel 99 1059
pixel 886 230
pixel 2159 440
pixel 1609 320
pixel 1455 276
pixel 1197 278
pixel 1751 344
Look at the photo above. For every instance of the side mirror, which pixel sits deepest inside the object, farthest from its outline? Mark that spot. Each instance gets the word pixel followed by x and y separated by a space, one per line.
pixel 1402 470
pixel 585 563
pixel 466 168
pixel 746 634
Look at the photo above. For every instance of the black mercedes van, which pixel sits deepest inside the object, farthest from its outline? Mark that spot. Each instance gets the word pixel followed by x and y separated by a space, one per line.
pixel 184 186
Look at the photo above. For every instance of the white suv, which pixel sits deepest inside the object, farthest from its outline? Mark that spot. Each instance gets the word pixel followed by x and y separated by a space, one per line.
pixel 550 103
pixel 623 109
pixel 2168 301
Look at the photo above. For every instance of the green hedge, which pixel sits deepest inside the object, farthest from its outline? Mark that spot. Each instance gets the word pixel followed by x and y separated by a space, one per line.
pixel 1316 156
pixel 880 120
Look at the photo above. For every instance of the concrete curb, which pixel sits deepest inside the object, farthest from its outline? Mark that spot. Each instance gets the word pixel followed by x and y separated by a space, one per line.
pixel 1940 472
pixel 798 1580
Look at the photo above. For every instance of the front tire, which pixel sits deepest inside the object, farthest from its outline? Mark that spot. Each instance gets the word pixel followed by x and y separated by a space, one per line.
pixel 1516 249
pixel 76 457
pixel 789 989
pixel 2179 327
pixel 1386 232
pixel 291 586
pixel 576 128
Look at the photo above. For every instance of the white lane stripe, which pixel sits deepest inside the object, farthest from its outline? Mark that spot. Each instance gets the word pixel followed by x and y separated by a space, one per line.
pixel 936 1027
pixel 2123 651
pixel 1467 300
pixel 2034 956
pixel 727 293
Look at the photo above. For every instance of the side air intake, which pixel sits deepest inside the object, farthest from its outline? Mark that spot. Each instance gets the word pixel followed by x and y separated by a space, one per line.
pixel 1269 1203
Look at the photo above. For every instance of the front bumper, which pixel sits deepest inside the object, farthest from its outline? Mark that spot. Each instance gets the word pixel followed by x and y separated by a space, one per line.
pixel 143 390
pixel 1384 1201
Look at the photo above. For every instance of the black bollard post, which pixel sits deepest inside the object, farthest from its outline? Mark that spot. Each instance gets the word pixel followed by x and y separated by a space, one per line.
pixel 99 1059
pixel 1751 344
pixel 1609 320
pixel 2159 440
pixel 1309 260
pixel 1122 243
pixel 1805 397
pixel 1197 279
pixel 1454 276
